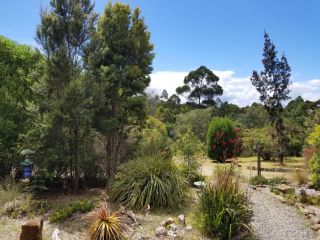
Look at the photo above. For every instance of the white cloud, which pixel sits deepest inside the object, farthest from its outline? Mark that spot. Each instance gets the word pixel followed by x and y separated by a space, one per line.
pixel 237 90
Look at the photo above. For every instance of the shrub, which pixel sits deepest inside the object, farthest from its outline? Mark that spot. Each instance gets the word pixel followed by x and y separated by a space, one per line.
pixel 314 140
pixel 224 206
pixel 106 225
pixel 189 147
pixel 260 180
pixel 10 191
pixel 63 214
pixel 149 179
pixel 223 140
pixel 301 177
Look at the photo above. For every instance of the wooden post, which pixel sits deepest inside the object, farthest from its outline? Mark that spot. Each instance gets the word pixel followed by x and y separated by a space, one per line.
pixel 259 164
pixel 32 230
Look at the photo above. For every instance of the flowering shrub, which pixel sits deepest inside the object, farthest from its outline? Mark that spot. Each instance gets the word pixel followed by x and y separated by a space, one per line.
pixel 223 140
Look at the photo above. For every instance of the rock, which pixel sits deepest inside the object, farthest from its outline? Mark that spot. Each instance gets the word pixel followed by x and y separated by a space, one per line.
pixel 315 227
pixel 161 231
pixel 132 216
pixel 163 223
pixel 173 227
pixel 188 228
pixel 199 184
pixel 286 189
pixel 253 187
pixel 136 236
pixel 169 221
pixel 171 233
pixel 315 220
pixel 309 211
pixel 281 199
pixel 182 219
pixel 318 233
pixel 32 230
pixel 56 234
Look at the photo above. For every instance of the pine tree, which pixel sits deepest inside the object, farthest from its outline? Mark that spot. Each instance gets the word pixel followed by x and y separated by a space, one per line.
pixel 64 33
pixel 119 60
pixel 273 85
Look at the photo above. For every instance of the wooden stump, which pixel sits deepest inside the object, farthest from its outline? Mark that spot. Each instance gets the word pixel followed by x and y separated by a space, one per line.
pixel 32 230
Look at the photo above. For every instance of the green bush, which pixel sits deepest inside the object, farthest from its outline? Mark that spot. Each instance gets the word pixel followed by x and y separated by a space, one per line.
pixel 314 140
pixel 149 179
pixel 223 139
pixel 260 180
pixel 63 214
pixel 224 206
pixel 189 147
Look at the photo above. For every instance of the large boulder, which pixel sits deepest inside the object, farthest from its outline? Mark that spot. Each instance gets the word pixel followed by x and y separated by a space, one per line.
pixel 285 189
pixel 32 230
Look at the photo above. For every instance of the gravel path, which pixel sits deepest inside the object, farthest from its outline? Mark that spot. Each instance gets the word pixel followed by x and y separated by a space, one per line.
pixel 274 220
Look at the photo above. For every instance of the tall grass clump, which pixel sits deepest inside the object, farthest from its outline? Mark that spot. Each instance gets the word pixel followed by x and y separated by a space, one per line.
pixel 149 179
pixel 224 207
pixel 11 196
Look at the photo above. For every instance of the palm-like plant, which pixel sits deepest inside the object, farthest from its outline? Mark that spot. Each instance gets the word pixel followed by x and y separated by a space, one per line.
pixel 106 225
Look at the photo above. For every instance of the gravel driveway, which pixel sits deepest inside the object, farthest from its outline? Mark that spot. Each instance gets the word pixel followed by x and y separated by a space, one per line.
pixel 274 220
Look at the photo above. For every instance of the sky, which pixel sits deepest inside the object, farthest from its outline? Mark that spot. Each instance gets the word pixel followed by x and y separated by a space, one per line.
pixel 224 35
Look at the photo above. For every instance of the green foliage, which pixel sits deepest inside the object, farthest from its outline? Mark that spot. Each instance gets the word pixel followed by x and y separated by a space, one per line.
pixel 197 119
pixel 66 212
pixel 260 141
pixel 14 202
pixel 17 64
pixel 260 180
pixel 189 146
pixel 224 207
pixel 152 180
pixel 202 87
pixel 223 139
pixel 106 225
pixel 254 116
pixel 119 59
pixel 315 168
pixel 314 140
pixel 273 86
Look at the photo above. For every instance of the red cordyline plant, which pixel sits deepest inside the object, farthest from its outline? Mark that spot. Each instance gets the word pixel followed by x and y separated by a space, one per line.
pixel 106 225
pixel 224 141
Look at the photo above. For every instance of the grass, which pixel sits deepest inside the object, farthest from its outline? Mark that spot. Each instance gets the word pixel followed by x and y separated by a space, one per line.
pixel 150 180
pixel 224 207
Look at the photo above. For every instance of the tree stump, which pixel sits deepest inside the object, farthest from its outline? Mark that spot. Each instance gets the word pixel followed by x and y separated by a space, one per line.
pixel 32 230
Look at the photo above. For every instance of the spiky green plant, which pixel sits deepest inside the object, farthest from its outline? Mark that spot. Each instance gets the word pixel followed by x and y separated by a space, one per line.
pixel 106 225
pixel 224 206
pixel 150 180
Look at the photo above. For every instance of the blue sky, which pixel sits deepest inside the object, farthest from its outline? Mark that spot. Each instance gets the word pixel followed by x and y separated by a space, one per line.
pixel 224 35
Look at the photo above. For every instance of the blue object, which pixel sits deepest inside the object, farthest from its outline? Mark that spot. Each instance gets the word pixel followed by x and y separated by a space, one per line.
pixel 27 171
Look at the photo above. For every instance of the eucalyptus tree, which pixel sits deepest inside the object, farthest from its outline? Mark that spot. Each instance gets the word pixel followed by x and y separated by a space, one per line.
pixel 202 87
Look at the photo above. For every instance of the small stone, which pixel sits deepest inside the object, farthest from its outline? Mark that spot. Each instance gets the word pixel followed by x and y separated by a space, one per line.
pixel 315 227
pixel 182 219
pixel 188 228
pixel 163 223
pixel 171 233
pixel 315 220
pixel 136 236
pixel 161 231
